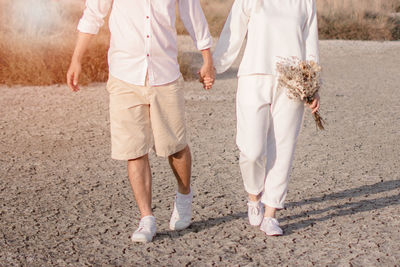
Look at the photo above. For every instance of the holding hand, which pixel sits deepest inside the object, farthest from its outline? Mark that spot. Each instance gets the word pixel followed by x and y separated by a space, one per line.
pixel 207 71
pixel 207 76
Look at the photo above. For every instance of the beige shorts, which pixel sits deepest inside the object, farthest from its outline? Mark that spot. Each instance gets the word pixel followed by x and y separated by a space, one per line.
pixel 146 117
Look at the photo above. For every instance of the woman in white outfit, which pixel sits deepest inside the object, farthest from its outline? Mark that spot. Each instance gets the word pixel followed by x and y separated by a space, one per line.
pixel 268 122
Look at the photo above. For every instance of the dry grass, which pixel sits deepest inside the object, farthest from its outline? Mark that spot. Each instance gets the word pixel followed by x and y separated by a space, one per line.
pixel 37 36
pixel 359 19
pixel 37 40
pixel 216 12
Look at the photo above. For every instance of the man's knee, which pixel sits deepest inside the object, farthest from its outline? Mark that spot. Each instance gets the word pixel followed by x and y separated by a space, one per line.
pixel 181 152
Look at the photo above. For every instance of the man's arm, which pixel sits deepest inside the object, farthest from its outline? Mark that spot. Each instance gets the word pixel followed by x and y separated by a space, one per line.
pixel 207 72
pixel 76 63
pixel 89 25
pixel 196 24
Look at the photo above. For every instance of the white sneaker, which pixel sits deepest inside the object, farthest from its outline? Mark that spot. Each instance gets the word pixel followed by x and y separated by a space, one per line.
pixel 255 212
pixel 182 214
pixel 146 230
pixel 271 226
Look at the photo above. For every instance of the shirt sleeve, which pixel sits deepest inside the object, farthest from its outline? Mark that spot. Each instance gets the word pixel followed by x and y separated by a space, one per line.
pixel 232 36
pixel 311 34
pixel 93 16
pixel 195 23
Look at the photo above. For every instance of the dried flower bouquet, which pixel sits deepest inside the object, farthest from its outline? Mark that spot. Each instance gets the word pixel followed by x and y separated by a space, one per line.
pixel 302 80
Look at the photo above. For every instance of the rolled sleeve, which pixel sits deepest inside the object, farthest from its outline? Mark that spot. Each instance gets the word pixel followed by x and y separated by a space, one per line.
pixel 87 27
pixel 93 16
pixel 195 23
pixel 204 44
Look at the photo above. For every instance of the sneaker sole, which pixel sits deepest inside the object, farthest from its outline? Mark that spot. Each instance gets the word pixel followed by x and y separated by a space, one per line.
pixel 174 228
pixel 278 234
pixel 255 224
pixel 141 240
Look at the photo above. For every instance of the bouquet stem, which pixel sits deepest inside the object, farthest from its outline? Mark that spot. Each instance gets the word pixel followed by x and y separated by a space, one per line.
pixel 319 121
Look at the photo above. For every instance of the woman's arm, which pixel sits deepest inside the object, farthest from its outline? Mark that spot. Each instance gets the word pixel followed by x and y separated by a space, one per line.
pixel 311 43
pixel 311 33
pixel 232 35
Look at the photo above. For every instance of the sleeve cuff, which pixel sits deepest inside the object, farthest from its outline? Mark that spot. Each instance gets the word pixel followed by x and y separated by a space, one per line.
pixel 87 27
pixel 204 44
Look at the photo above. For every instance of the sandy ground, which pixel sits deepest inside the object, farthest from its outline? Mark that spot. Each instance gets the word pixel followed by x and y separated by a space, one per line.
pixel 64 202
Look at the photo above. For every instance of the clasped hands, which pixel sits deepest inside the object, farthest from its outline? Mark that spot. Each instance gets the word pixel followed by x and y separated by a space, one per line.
pixel 207 75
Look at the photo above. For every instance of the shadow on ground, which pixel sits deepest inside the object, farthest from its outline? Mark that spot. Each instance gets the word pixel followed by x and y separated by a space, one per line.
pixel 348 208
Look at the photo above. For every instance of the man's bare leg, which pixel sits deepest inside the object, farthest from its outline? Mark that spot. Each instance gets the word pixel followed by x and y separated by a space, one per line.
pixel 140 177
pixel 181 164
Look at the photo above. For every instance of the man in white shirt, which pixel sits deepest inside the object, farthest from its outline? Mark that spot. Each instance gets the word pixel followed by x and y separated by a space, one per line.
pixel 146 99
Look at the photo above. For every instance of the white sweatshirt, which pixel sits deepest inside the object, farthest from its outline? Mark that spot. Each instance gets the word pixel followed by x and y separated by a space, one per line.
pixel 275 29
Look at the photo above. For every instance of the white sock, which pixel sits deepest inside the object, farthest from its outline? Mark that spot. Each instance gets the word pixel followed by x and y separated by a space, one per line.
pixel 183 196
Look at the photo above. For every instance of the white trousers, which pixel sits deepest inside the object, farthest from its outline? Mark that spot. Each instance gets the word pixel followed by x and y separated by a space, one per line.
pixel 268 124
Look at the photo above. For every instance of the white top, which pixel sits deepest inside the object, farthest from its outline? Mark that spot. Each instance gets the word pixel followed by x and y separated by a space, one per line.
pixel 143 36
pixel 275 29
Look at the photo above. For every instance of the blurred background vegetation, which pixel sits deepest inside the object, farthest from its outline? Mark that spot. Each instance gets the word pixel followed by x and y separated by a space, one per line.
pixel 37 36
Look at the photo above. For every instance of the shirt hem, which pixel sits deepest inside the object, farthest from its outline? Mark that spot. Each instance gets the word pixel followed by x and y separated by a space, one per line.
pixel 142 83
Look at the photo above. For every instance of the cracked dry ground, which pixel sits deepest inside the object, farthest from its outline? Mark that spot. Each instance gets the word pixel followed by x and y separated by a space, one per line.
pixel 64 202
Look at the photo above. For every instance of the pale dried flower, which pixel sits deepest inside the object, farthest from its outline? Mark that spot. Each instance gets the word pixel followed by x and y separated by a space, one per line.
pixel 302 79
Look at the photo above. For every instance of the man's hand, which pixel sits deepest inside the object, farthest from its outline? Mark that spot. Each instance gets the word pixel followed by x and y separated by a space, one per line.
pixel 73 75
pixel 207 76
pixel 315 104
pixel 75 68
pixel 207 71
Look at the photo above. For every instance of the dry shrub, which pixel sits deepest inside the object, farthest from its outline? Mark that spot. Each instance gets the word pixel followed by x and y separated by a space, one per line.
pixel 37 36
pixel 186 67
pixel 216 12
pixel 359 19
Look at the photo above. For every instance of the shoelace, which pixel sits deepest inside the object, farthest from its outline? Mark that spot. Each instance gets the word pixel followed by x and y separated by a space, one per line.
pixel 143 226
pixel 255 210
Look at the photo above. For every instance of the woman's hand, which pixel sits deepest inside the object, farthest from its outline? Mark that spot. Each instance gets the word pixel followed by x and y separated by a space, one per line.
pixel 315 104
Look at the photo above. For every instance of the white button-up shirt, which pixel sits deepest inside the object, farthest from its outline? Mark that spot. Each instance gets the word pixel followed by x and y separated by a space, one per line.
pixel 275 29
pixel 143 36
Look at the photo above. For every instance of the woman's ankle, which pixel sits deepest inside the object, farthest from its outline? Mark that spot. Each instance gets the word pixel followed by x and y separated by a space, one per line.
pixel 254 198
pixel 270 212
